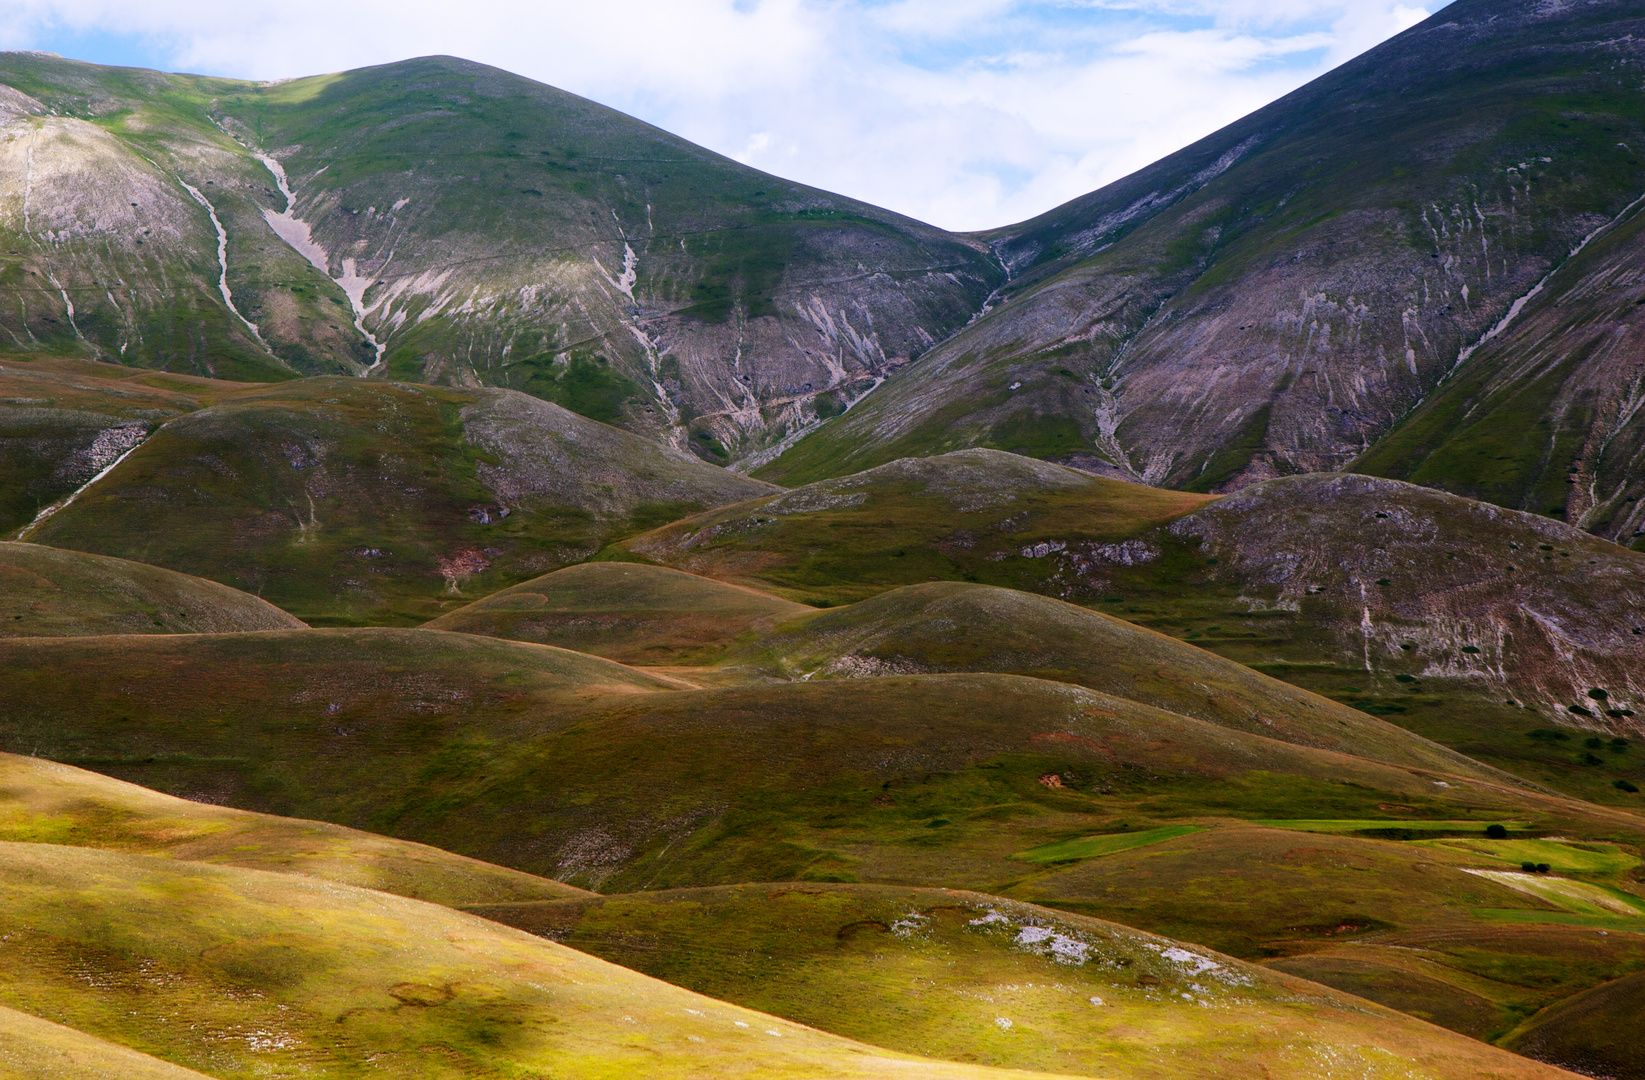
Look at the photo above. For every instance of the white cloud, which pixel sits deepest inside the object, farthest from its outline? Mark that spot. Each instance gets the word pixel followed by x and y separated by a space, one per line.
pixel 966 113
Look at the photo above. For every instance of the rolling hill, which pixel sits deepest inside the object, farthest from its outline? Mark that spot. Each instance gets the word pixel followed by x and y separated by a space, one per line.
pixel 44 802
pixel 352 501
pixel 49 592
pixel 443 221
pixel 976 977
pixel 629 612
pixel 35 1049
pixel 277 972
pixel 1377 575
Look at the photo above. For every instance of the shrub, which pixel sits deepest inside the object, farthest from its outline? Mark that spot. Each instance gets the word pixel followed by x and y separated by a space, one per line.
pixel 1593 743
pixel 1528 867
pixel 1597 694
pixel 1623 785
pixel 1471 650
pixel 1588 758
pixel 1496 832
pixel 1619 744
pixel 1548 735
pixel 1543 868
pixel 1578 710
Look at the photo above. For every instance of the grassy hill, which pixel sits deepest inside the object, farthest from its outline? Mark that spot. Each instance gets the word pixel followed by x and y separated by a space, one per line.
pixel 970 515
pixel 44 802
pixel 1469 624
pixel 1586 1033
pixel 958 975
pixel 63 420
pixel 350 501
pixel 278 973
pixel 35 1049
pixel 1276 297
pixel 628 612
pixel 49 592
pixel 461 225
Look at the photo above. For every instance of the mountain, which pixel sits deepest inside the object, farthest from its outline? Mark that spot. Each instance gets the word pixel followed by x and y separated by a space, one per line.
pixel 1326 282
pixel 361 501
pixel 443 221
pixel 53 593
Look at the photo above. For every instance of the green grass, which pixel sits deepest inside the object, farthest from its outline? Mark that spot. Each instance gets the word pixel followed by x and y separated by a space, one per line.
pixel 1561 856
pixel 1091 847
pixel 1342 827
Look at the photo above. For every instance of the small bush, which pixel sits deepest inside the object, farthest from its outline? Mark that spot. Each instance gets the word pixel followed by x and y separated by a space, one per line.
pixel 1496 832
pixel 1589 759
pixel 1528 867
pixel 1619 744
pixel 1578 710
pixel 1623 785
pixel 1548 735
pixel 1543 868
pixel 1384 581
pixel 1471 650
pixel 1597 694
pixel 1593 743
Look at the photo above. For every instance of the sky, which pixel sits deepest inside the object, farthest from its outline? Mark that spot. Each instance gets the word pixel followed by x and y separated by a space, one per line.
pixel 965 113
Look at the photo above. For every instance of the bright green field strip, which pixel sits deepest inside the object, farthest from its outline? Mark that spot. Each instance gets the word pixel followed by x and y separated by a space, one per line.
pixel 1563 918
pixel 1089 847
pixel 1325 825
pixel 1561 856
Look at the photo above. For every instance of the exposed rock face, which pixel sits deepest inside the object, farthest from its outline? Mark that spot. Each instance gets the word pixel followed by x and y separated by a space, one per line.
pixel 1415 579
pixel 447 222
pixel 1278 297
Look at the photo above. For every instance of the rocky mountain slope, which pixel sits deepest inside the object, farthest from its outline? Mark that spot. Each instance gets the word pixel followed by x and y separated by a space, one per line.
pixel 448 222
pixel 1279 296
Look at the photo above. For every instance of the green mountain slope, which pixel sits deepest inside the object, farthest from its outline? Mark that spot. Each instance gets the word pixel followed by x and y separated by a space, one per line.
pixel 461 225
pixel 1274 298
pixel 48 592
pixel 954 974
pixel 1544 416
pixel 350 501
